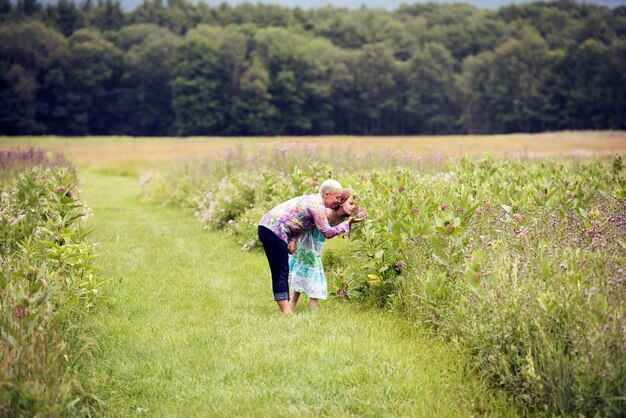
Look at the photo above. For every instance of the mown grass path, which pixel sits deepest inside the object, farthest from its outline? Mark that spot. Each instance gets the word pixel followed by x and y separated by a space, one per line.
pixel 192 330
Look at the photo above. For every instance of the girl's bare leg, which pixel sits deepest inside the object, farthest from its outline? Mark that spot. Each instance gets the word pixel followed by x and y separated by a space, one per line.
pixel 285 307
pixel 313 304
pixel 294 299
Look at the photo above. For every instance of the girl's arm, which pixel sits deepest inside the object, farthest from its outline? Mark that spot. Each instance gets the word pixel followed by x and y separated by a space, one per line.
pixel 292 244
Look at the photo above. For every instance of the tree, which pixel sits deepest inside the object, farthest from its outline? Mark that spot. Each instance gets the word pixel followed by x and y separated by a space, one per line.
pixel 107 15
pixel 65 16
pixel 195 86
pixel 33 59
pixel 472 84
pixel 28 7
pixel 431 103
pixel 516 87
pixel 343 93
pixel 252 107
pixel 147 94
pixel 6 6
pixel 299 69
pixel 589 87
pixel 375 83
pixel 231 55
pixel 93 84
pixel 136 34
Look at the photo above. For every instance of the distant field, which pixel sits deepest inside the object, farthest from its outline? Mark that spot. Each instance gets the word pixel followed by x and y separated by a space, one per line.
pixel 147 152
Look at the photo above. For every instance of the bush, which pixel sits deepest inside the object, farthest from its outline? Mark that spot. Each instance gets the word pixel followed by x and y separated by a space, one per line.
pixel 47 285
pixel 520 262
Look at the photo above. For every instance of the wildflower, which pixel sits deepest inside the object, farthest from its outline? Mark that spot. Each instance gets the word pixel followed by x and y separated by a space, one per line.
pixel 522 233
pixel 401 189
pixel 19 219
pixel 517 217
pixel 415 211
pixel 341 293
pixel 400 265
pixel 444 206
pixel 61 189
pixel 460 210
pixel 450 227
pixel 19 312
pixel 480 274
pixel 69 194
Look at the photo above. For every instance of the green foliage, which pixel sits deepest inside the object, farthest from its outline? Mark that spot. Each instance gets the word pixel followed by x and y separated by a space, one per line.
pixel 201 311
pixel 520 262
pixel 190 69
pixel 33 59
pixel 95 67
pixel 47 285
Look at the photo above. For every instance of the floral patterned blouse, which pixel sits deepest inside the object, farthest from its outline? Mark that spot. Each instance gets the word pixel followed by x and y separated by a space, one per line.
pixel 299 214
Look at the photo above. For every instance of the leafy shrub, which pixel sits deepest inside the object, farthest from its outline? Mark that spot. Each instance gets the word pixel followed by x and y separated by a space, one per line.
pixel 515 262
pixel 521 262
pixel 47 284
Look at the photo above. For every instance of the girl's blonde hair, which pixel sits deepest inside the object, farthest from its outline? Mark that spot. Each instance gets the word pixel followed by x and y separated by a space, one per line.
pixel 330 186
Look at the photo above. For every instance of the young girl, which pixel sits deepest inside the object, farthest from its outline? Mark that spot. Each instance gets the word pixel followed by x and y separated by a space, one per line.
pixel 306 272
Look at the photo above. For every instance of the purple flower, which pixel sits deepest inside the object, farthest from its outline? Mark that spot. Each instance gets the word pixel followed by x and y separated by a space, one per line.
pixel 400 265
pixel 19 219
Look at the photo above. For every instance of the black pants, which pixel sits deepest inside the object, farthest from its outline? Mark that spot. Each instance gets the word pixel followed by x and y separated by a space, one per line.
pixel 278 257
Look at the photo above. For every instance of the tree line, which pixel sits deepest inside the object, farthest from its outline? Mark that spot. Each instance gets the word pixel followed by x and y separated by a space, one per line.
pixel 179 68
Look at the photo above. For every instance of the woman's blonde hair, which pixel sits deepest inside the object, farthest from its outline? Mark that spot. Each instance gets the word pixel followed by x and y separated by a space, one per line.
pixel 330 186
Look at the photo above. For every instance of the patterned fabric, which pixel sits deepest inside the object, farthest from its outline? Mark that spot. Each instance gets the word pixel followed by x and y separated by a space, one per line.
pixel 300 214
pixel 306 272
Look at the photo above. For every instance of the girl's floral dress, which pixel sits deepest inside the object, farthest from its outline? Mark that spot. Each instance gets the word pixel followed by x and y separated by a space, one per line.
pixel 306 272
pixel 304 216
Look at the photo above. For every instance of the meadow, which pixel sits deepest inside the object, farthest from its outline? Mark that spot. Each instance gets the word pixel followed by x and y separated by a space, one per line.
pixel 139 153
pixel 490 267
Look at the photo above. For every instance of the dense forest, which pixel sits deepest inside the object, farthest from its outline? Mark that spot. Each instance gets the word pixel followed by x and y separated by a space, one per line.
pixel 179 68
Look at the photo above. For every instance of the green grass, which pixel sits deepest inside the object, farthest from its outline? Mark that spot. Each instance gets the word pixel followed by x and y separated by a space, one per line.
pixel 191 330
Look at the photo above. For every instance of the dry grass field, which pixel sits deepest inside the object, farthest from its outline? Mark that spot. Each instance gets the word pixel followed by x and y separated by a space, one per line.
pixel 154 152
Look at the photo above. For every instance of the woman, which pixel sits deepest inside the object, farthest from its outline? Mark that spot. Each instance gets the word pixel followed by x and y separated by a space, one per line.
pixel 291 217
